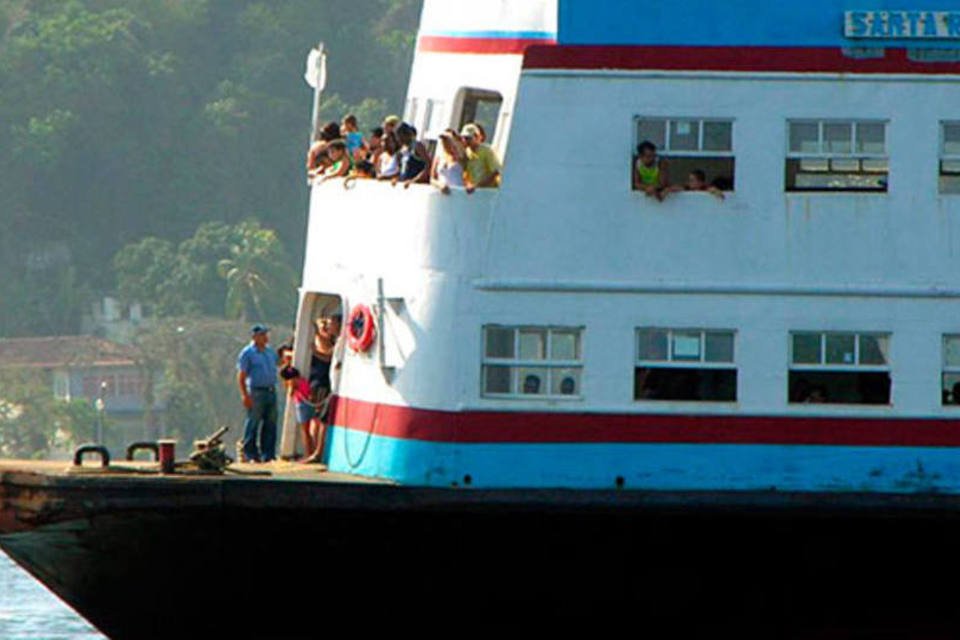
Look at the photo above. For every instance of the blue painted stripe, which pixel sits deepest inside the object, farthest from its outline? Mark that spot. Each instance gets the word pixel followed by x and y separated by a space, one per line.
pixel 668 467
pixel 495 35
pixel 755 23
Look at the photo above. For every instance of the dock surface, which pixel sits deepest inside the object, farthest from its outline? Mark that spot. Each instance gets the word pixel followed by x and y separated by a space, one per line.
pixel 278 470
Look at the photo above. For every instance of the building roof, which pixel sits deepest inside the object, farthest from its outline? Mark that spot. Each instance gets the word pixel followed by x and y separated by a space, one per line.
pixel 65 351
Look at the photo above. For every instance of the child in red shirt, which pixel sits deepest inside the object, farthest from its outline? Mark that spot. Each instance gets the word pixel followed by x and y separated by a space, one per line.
pixel 298 390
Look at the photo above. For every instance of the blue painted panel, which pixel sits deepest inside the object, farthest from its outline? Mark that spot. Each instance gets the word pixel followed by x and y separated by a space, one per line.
pixel 649 466
pixel 814 23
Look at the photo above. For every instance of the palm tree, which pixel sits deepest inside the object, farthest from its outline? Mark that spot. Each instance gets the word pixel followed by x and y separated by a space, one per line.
pixel 255 269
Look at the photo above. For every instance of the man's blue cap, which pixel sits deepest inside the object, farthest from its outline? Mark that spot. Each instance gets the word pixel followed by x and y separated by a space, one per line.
pixel 259 328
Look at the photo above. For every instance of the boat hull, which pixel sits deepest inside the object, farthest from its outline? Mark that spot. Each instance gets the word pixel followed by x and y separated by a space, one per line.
pixel 145 557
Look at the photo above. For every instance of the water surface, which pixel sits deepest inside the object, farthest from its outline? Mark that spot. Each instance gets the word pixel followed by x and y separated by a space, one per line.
pixel 29 611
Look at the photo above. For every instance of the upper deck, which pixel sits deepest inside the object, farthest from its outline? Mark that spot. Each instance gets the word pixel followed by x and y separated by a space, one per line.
pixel 570 89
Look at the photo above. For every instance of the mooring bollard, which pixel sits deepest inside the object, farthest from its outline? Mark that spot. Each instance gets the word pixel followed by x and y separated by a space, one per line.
pixel 100 450
pixel 167 455
pixel 143 446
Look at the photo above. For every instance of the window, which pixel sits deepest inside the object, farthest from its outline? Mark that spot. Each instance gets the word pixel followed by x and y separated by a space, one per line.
pixel 950 157
pixel 91 385
pixel 61 385
pixel 532 362
pixel 839 368
pixel 480 105
pixel 412 111
pixel 685 364
pixel 833 155
pixel 434 119
pixel 692 144
pixel 127 385
pixel 950 387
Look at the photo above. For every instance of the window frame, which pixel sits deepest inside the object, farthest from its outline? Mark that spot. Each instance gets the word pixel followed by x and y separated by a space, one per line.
pixel 467 93
pixel 943 157
pixel 854 368
pixel 831 156
pixel 515 363
pixel 667 152
pixel 823 365
pixel 946 369
pixel 722 163
pixel 700 364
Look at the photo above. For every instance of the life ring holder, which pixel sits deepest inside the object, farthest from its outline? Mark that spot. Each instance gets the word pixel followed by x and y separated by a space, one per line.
pixel 361 329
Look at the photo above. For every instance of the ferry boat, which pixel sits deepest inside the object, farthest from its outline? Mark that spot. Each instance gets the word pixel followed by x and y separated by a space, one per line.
pixel 569 396
pixel 801 334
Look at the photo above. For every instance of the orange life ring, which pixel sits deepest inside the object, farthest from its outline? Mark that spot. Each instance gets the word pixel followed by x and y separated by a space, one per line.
pixel 361 331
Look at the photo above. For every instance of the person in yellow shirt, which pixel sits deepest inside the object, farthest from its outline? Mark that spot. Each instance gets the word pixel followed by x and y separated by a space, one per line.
pixel 483 166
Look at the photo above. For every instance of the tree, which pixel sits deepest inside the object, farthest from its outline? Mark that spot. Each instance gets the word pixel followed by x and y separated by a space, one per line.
pixel 33 422
pixel 241 270
pixel 148 271
pixel 195 358
pixel 132 119
pixel 255 273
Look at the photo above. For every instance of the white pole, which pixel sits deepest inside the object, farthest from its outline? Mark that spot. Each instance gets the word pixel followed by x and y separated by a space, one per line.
pixel 316 77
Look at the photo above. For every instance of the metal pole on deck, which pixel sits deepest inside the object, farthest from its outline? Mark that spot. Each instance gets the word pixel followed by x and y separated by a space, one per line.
pixel 100 406
pixel 316 77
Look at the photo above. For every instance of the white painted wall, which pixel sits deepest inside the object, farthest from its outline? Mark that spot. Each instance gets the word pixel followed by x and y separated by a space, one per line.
pixel 573 135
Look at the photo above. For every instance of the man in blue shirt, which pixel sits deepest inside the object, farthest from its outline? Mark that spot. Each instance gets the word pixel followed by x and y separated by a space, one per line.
pixel 257 378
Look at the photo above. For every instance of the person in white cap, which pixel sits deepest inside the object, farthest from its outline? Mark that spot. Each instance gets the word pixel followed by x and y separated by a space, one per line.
pixel 483 165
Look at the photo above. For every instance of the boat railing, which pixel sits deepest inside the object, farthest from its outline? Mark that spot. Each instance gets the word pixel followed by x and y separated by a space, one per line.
pixel 373 224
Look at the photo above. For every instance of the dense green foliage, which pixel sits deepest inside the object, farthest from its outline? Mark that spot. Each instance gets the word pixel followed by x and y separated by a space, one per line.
pixel 33 422
pixel 132 123
pixel 153 150
pixel 191 362
pixel 237 270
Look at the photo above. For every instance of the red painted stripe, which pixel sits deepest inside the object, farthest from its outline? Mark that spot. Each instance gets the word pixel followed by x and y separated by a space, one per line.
pixel 448 44
pixel 762 59
pixel 541 427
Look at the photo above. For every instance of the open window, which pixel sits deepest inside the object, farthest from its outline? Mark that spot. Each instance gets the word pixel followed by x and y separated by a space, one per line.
pixel 483 106
pixel 837 155
pixel 950 157
pixel 691 145
pixel 839 368
pixel 685 364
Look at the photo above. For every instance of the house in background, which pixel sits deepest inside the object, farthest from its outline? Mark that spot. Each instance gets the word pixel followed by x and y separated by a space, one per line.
pixel 109 318
pixel 85 366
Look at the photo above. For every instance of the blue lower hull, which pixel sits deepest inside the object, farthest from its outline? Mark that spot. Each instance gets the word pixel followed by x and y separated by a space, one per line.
pixel 668 467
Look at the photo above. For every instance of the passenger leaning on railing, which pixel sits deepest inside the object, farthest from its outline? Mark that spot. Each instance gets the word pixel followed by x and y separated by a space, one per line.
pixel 338 165
pixel 651 173
pixel 390 124
pixel 394 153
pixel 449 163
pixel 387 161
pixel 483 165
pixel 317 159
pixel 414 159
pixel 356 145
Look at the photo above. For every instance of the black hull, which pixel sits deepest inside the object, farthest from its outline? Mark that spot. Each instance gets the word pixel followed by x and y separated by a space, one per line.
pixel 267 559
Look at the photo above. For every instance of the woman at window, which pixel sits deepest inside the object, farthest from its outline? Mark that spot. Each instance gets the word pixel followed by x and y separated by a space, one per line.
pixel 447 170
